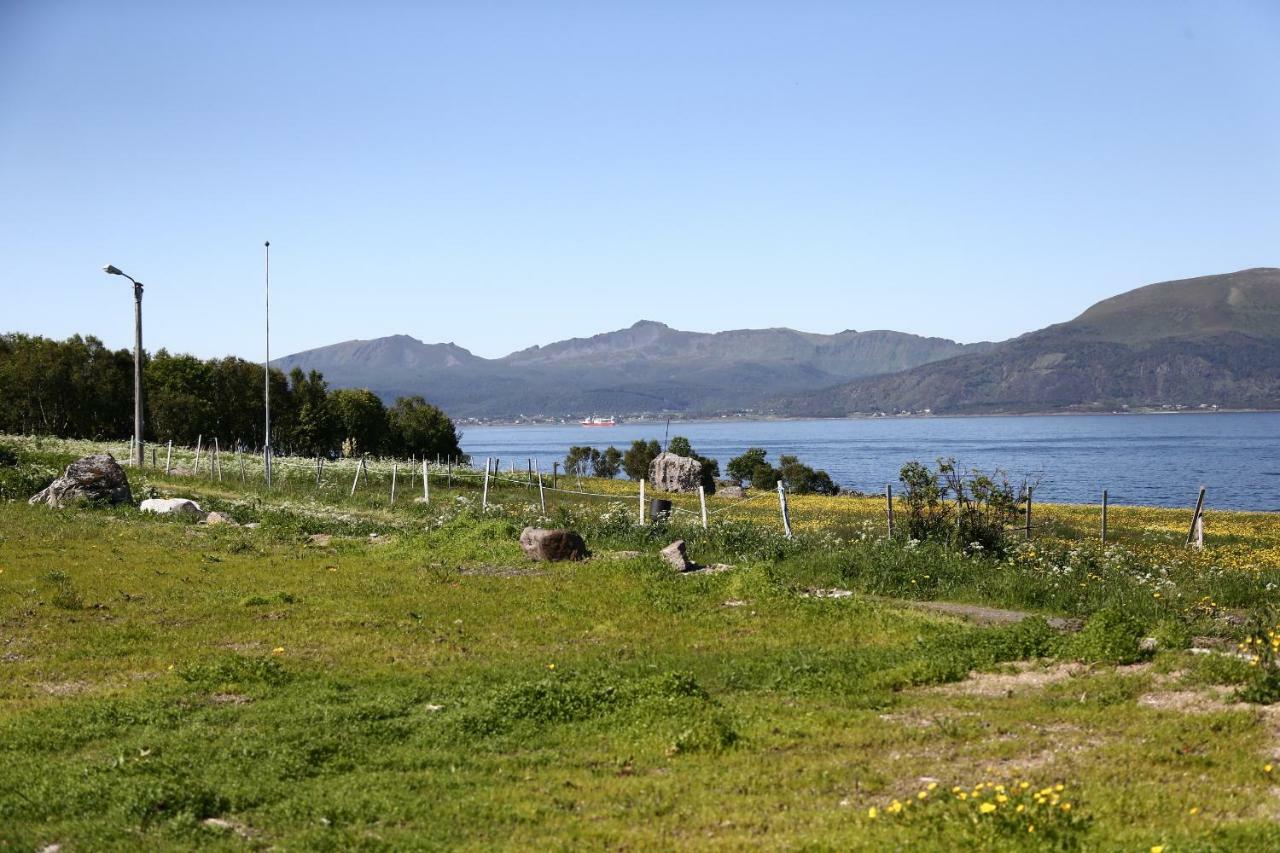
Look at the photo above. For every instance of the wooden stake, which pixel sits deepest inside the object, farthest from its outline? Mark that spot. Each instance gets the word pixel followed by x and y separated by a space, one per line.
pixel 168 457
pixel 529 480
pixel 782 504
pixel 450 480
pixel 642 501
pixel 356 478
pixel 240 457
pixel 426 483
pixel 1028 531
pixel 702 501
pixel 217 458
pixel 394 468
pixel 888 506
pixel 153 456
pixel 196 468
pixel 1196 523
pixel 484 497
pixel 554 467
pixel 1104 516
pixel 542 496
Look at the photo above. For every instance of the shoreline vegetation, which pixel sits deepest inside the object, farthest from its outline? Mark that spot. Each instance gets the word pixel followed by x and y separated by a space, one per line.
pixel 329 669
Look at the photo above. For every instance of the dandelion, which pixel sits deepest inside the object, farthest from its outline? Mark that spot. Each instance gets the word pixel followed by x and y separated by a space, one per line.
pixel 922 795
pixel 1193 810
pixel 1066 807
pixel 1157 848
pixel 1266 768
pixel 551 666
pixel 278 650
pixel 987 808
pixel 873 812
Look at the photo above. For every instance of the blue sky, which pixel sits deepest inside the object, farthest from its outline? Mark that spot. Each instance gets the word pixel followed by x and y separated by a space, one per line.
pixel 503 174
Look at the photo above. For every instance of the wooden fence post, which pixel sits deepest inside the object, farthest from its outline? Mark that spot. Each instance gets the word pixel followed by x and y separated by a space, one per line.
pixel 395 467
pixel 1196 524
pixel 1104 516
pixel 426 482
pixel 449 481
pixel 702 501
pixel 217 458
pixel 1028 530
pixel 888 506
pixel 782 504
pixel 554 467
pixel 153 456
pixel 168 457
pixel 642 501
pixel 240 457
pixel 195 469
pixel 356 479
pixel 542 496
pixel 484 497
pixel 529 480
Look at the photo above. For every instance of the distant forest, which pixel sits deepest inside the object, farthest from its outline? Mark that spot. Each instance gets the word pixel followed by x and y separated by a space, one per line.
pixel 78 388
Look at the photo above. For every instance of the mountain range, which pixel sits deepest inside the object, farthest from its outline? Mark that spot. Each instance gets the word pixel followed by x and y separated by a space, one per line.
pixel 1213 340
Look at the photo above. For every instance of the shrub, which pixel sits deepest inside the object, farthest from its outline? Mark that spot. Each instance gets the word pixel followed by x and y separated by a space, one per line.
pixel 1109 636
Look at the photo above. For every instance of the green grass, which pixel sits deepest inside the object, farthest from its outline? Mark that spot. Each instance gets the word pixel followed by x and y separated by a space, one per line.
pixel 166 684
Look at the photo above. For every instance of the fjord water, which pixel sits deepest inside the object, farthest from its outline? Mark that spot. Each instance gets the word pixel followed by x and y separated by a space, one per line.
pixel 1157 460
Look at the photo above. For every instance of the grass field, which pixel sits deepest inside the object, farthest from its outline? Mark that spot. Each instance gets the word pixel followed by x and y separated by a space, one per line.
pixel 416 683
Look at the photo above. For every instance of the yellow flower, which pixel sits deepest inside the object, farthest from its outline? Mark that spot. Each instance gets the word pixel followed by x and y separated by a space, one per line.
pixel 278 650
pixel 551 666
pixel 987 808
pixel 1031 827
pixel 873 812
pixel 1066 807
pixel 932 785
pixel 1157 848
pixel 1193 810
pixel 1001 798
pixel 1266 768
pixel 1021 808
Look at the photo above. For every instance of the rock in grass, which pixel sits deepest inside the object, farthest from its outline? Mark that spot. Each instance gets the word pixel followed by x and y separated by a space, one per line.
pixel 219 518
pixel 173 506
pixel 552 545
pixel 675 555
pixel 671 473
pixel 93 479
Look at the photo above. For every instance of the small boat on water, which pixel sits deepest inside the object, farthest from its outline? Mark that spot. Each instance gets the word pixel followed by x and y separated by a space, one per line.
pixel 593 421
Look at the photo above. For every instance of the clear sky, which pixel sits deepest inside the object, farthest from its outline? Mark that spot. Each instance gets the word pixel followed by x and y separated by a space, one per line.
pixel 504 174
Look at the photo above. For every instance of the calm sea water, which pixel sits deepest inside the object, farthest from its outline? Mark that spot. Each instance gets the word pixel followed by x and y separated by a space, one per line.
pixel 1157 460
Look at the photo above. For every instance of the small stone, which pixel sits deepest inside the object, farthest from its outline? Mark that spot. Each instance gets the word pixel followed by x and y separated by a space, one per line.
pixel 674 554
pixel 219 518
pixel 173 506
pixel 552 545
pixel 1148 644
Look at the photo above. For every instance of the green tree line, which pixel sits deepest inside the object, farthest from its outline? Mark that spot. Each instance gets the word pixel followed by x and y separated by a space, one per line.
pixel 78 388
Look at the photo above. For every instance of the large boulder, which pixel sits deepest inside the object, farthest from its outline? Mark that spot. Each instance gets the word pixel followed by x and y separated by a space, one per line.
pixel 671 473
pixel 173 506
pixel 552 545
pixel 92 479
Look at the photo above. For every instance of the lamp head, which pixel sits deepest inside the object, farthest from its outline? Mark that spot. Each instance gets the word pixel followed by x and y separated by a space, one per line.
pixel 110 270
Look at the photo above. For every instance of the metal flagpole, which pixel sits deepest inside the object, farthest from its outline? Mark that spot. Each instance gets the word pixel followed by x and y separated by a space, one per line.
pixel 266 369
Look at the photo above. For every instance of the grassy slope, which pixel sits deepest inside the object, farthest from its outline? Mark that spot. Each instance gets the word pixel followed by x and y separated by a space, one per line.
pixel 157 674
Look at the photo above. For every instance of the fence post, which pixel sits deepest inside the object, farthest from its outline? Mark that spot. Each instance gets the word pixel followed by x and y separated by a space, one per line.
pixel 356 479
pixel 426 482
pixel 168 457
pixel 1028 531
pixel 782 504
pixel 1197 525
pixel 702 501
pixel 153 456
pixel 642 501
pixel 240 457
pixel 1104 516
pixel 888 506
pixel 484 497
pixel 195 469
pixel 542 497
pixel 395 466
pixel 554 467
pixel 529 480
pixel 217 458
pixel 449 481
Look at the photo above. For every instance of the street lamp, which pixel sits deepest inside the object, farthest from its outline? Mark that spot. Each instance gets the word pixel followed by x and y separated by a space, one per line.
pixel 137 362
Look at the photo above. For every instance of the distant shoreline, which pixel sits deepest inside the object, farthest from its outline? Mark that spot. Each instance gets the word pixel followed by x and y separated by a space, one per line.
pixel 568 422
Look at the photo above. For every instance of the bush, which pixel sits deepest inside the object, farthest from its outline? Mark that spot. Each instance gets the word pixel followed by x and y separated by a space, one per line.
pixel 969 511
pixel 1109 636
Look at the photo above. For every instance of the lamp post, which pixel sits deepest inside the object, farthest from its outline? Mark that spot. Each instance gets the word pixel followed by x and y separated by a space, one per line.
pixel 137 362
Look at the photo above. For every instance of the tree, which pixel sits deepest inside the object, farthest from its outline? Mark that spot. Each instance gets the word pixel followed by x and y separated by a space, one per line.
pixel 580 460
pixel 636 461
pixel 800 479
pixel 680 446
pixel 742 468
pixel 607 463
pixel 361 418
pixel 417 428
pixel 315 430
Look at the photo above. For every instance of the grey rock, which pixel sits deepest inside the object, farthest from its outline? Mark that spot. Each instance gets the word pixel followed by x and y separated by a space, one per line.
pixel 173 506
pixel 731 491
pixel 675 556
pixel 219 518
pixel 94 479
pixel 552 545
pixel 671 473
